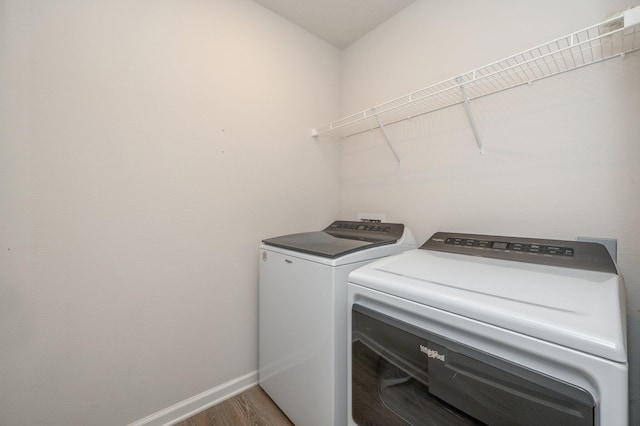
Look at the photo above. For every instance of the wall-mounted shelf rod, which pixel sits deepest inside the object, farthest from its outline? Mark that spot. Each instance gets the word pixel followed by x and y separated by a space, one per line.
pixel 614 37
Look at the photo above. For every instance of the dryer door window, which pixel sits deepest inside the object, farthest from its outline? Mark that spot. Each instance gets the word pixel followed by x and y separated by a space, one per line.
pixel 405 375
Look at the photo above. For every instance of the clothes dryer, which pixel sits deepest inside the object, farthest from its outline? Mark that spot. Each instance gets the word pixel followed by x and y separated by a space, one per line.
pixel 477 329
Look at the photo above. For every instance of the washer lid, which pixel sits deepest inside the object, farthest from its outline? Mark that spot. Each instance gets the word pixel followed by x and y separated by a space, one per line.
pixel 340 238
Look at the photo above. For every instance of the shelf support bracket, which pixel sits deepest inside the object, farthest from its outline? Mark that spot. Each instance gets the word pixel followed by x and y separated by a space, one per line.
pixel 386 135
pixel 467 105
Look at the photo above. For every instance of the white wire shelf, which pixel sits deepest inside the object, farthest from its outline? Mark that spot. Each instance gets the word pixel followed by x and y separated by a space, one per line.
pixel 614 37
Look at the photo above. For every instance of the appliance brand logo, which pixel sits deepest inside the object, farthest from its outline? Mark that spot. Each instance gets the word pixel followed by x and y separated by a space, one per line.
pixel 438 240
pixel 431 353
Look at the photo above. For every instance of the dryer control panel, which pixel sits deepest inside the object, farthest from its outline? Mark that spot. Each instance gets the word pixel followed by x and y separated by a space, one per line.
pixel 569 254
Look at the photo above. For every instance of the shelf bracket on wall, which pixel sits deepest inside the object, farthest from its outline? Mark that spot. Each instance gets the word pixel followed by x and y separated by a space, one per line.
pixel 386 135
pixel 467 105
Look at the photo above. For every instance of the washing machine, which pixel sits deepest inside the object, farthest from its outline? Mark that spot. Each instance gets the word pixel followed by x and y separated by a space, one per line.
pixel 478 329
pixel 303 314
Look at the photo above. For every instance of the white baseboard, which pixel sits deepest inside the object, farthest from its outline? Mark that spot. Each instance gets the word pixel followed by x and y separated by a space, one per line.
pixel 190 406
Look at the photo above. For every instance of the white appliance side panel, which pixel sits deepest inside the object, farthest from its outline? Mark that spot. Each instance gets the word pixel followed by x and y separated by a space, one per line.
pixel 561 305
pixel 295 336
pixel 606 380
pixel 302 337
pixel 340 312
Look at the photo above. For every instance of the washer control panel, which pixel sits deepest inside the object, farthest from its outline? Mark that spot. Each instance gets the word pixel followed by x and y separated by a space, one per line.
pixel 366 231
pixel 570 254
pixel 359 226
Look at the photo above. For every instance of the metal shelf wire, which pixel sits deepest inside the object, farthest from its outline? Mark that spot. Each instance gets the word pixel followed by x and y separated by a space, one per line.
pixel 614 37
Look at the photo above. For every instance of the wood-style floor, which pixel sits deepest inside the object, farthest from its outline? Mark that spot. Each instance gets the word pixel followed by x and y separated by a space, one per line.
pixel 251 407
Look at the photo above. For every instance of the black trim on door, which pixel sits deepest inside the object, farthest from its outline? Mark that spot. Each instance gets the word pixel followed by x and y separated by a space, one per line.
pixel 405 375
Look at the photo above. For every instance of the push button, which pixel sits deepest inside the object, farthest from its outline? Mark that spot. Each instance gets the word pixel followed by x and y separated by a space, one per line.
pixel 552 250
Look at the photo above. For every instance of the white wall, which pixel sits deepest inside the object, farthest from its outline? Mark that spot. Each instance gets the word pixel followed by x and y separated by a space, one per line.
pixel 146 147
pixel 137 137
pixel 561 156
